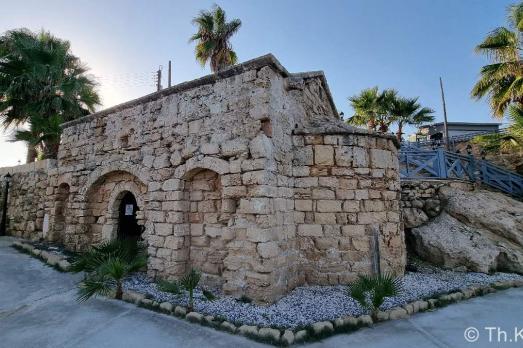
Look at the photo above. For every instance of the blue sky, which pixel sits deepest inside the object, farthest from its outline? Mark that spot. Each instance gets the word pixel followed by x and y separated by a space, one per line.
pixel 402 44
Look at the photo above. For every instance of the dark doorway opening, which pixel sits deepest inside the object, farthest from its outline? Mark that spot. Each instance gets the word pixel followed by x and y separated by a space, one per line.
pixel 128 228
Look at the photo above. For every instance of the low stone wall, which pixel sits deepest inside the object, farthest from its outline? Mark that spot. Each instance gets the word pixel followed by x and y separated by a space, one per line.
pixel 420 200
pixel 26 201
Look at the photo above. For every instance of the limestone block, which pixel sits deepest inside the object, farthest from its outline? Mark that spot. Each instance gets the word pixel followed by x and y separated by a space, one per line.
pixel 328 206
pixel 261 146
pixel 234 147
pixel 269 334
pixel 163 229
pixel 268 250
pixel 360 157
pixel 194 317
pixel 306 230
pixel 247 330
pixel 322 327
pixel 323 155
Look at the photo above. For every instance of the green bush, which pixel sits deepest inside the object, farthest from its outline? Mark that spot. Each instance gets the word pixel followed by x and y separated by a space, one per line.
pixel 106 267
pixel 371 290
pixel 190 281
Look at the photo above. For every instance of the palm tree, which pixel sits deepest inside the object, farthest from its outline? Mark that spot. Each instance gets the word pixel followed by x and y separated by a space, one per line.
pixel 40 80
pixel 502 80
pixel 365 107
pixel 385 104
pixel 407 111
pixel 372 108
pixel 213 38
pixel 370 291
pixel 511 140
pixel 106 267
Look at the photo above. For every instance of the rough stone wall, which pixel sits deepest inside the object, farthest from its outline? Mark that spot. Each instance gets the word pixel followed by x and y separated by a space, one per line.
pixel 27 203
pixel 421 201
pixel 346 189
pixel 247 175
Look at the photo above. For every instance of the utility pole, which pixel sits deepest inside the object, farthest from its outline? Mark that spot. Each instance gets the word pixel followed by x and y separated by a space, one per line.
pixel 159 79
pixel 169 75
pixel 445 125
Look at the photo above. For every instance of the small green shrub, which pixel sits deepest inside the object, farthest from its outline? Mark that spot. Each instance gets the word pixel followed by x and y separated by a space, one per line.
pixel 371 290
pixel 172 286
pixel 190 281
pixel 209 296
pixel 244 299
pixel 106 267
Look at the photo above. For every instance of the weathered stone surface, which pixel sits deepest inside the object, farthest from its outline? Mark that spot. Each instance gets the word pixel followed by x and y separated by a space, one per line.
pixel 287 338
pixel 194 317
pixel 450 243
pixel 414 217
pixel 248 330
pixel 300 336
pixel 322 327
pixel 166 306
pixel 365 320
pixel 180 311
pixel 133 296
pixel 398 313
pixel 226 326
pixel 269 334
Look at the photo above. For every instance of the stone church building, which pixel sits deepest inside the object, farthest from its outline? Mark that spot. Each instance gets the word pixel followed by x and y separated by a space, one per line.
pixel 248 175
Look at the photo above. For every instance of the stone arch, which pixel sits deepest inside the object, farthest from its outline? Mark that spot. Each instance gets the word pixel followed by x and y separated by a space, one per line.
pixel 120 166
pixel 110 228
pixel 195 164
pixel 101 201
pixel 207 217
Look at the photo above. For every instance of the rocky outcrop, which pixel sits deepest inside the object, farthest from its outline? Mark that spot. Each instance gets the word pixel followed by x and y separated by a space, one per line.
pixel 477 230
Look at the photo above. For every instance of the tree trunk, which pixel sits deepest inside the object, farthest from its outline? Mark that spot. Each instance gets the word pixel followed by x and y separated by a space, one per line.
pixel 399 133
pixel 31 154
pixel 119 292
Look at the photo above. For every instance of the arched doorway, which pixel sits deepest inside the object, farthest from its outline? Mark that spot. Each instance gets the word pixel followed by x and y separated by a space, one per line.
pixel 128 228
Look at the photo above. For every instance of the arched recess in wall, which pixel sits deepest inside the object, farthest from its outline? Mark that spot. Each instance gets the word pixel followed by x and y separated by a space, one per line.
pixel 60 213
pixel 102 204
pixel 208 218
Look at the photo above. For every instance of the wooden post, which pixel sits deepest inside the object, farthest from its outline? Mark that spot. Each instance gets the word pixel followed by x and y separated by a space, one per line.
pixel 375 248
pixel 442 167
pixel 444 116
pixel 169 75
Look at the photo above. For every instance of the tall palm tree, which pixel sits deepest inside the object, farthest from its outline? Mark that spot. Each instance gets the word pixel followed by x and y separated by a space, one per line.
pixel 213 38
pixel 407 111
pixel 372 108
pixel 42 81
pixel 385 103
pixel 501 81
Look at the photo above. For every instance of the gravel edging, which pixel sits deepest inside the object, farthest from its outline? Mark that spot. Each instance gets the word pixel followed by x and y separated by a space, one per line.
pixel 285 336
pixel 56 260
pixel 318 330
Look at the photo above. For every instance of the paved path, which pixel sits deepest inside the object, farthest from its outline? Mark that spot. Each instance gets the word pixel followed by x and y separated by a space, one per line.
pixel 38 309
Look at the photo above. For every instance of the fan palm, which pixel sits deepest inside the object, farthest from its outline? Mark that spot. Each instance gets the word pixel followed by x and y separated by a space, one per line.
pixel 502 80
pixel 372 108
pixel 41 80
pixel 371 290
pixel 508 141
pixel 407 111
pixel 106 267
pixel 213 39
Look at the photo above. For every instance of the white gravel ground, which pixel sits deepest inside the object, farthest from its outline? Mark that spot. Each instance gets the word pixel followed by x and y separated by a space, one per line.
pixel 308 304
